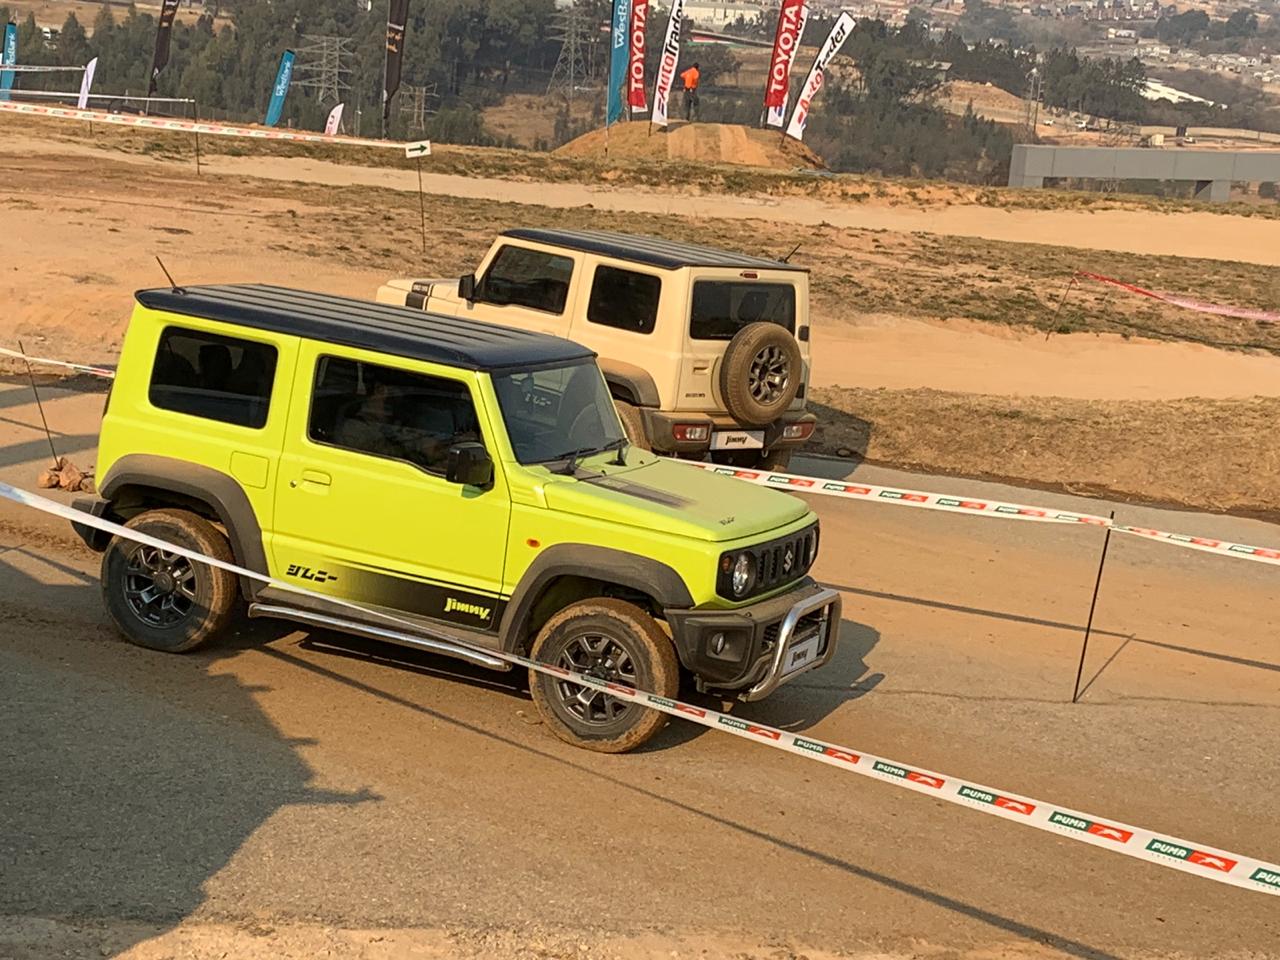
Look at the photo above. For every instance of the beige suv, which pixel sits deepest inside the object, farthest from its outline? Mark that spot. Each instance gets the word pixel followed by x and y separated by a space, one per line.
pixel 703 350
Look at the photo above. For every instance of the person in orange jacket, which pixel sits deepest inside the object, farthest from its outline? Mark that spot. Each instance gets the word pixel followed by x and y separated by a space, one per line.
pixel 690 78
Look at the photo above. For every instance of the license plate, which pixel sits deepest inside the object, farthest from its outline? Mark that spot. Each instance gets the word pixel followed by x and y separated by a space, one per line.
pixel 802 654
pixel 738 440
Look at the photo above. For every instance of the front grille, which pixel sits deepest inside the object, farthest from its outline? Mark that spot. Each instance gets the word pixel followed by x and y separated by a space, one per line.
pixel 778 562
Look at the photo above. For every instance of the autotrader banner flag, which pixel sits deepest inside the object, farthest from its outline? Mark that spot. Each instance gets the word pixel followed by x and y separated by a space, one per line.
pixel 335 120
pixel 667 65
pixel 278 92
pixel 619 58
pixel 635 73
pixel 168 10
pixel 86 83
pixel 786 40
pixel 813 83
pixel 8 57
pixel 397 18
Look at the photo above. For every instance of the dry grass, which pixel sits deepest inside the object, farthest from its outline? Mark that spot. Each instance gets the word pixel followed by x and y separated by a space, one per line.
pixel 1217 455
pixel 671 175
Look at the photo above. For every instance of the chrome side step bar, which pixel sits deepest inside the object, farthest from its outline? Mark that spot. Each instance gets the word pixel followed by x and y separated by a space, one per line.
pixel 440 644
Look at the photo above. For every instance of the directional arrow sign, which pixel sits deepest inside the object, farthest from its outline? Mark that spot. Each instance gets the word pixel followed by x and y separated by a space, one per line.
pixel 420 149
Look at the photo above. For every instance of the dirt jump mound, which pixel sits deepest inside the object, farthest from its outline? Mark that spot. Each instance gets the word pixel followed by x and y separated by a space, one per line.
pixel 712 143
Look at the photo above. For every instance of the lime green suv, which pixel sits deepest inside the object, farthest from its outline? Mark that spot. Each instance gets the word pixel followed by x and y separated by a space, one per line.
pixel 468 485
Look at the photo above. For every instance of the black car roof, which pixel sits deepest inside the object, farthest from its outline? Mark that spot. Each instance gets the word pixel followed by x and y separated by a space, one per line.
pixel 652 251
pixel 360 323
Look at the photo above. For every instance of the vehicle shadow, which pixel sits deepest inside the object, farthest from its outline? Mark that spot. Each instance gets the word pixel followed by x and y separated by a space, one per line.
pixel 841 431
pixel 128 779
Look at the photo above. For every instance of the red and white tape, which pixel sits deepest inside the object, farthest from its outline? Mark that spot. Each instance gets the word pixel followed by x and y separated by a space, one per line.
pixel 1187 303
pixel 63 364
pixel 981 507
pixel 1248 873
pixel 190 126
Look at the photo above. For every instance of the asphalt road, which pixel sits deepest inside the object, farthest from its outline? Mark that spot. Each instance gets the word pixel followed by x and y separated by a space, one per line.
pixel 290 778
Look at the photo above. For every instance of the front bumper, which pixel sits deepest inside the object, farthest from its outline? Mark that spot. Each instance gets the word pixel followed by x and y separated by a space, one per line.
pixel 660 429
pixel 762 645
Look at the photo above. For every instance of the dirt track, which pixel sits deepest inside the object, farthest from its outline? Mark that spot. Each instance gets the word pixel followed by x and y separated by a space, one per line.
pixel 286 794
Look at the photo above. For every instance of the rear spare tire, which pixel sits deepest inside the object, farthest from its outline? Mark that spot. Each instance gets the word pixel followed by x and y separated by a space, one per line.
pixel 760 373
pixel 632 423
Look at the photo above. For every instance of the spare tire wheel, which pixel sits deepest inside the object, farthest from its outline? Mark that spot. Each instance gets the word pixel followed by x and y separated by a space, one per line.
pixel 760 373
pixel 632 423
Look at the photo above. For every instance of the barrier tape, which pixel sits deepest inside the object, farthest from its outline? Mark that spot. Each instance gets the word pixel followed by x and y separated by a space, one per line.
pixel 190 126
pixel 978 506
pixel 948 503
pixel 1161 849
pixel 64 364
pixel 1187 303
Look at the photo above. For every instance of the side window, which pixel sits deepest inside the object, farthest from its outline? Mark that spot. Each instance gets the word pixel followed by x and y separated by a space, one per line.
pixel 214 377
pixel 624 299
pixel 390 413
pixel 527 278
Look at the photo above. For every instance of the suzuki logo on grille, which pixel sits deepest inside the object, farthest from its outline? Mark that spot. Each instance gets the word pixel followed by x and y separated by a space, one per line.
pixel 788 558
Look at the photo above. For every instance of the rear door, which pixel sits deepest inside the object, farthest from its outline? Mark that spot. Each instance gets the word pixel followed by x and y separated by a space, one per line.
pixel 363 510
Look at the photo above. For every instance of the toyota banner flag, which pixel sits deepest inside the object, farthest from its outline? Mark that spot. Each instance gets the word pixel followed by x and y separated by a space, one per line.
pixel 168 10
pixel 791 20
pixel 667 65
pixel 619 59
pixel 813 83
pixel 397 19
pixel 635 74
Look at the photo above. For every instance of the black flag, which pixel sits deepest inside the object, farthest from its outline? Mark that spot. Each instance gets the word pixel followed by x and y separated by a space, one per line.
pixel 168 10
pixel 397 16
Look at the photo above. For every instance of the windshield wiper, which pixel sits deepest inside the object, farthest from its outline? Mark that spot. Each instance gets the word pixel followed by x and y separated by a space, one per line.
pixel 620 445
pixel 574 457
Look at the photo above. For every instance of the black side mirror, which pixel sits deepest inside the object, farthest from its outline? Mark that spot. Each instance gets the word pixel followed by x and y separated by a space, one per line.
pixel 467 288
pixel 469 464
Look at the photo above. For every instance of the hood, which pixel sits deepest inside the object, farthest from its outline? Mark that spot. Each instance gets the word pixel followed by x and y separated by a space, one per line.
pixel 664 495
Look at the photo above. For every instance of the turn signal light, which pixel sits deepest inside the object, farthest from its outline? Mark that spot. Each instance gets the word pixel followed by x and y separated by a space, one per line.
pixel 693 432
pixel 797 431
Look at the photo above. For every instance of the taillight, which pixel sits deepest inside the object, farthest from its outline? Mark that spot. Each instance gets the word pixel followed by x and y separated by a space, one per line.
pixel 691 432
pixel 797 431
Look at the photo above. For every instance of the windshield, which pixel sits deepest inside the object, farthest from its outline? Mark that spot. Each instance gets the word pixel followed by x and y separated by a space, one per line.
pixel 556 412
pixel 723 307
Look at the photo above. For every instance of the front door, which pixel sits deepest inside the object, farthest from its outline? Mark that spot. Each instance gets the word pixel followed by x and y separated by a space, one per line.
pixel 363 509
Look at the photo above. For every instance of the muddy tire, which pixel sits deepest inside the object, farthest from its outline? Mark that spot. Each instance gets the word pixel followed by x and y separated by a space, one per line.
pixel 760 373
pixel 632 423
pixel 163 601
pixel 616 641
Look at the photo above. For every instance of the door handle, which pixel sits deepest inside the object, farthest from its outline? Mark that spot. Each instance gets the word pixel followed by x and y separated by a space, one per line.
pixel 317 477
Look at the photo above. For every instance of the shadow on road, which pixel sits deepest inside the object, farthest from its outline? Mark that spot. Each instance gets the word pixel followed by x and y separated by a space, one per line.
pixel 118 804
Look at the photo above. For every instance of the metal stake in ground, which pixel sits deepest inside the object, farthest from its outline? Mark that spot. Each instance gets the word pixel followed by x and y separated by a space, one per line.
pixel 422 207
pixel 1093 605
pixel 57 464
pixel 196 113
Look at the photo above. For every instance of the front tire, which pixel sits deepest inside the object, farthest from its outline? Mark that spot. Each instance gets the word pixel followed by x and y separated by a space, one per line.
pixel 161 600
pixel 613 640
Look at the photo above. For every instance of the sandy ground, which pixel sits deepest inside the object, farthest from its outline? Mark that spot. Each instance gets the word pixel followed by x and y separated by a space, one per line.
pixel 706 143
pixel 287 794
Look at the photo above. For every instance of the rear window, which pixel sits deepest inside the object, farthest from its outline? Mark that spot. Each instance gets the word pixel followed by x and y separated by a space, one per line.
pixel 624 299
pixel 213 377
pixel 723 307
pixel 527 278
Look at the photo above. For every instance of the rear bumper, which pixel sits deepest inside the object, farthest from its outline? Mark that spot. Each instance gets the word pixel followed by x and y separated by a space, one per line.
pixel 751 651
pixel 660 427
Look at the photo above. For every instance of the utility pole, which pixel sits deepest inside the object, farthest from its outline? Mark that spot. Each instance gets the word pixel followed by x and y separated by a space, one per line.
pixel 324 65
pixel 1035 92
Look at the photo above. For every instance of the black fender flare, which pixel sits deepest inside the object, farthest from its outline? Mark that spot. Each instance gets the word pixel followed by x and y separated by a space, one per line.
pixel 648 576
pixel 218 491
pixel 630 383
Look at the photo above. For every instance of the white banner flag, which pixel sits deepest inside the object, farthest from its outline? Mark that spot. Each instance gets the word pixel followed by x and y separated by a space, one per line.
pixel 835 40
pixel 86 82
pixel 667 66
pixel 335 118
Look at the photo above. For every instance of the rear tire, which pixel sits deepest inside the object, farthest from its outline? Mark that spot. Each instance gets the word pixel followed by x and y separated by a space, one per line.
pixel 632 424
pixel 163 601
pixel 614 640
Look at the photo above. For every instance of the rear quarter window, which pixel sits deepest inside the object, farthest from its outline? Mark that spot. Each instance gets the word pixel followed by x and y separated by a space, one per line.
pixel 213 377
pixel 723 307
pixel 624 299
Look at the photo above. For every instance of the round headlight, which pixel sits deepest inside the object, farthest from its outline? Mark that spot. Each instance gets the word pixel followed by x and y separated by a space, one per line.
pixel 743 574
